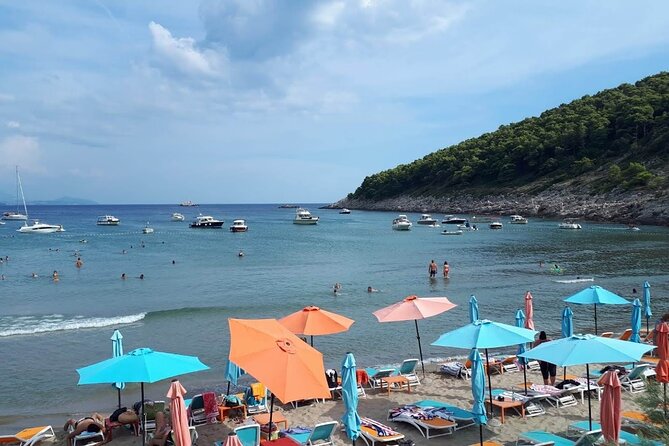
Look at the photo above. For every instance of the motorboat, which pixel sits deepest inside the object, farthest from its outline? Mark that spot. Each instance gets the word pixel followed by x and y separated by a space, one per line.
pixel 40 228
pixel 187 203
pixel 239 226
pixel 447 232
pixel 206 221
pixel 344 211
pixel 426 219
pixel 304 217
pixel 401 223
pixel 467 227
pixel 17 215
pixel 569 224
pixel 147 229
pixel 496 225
pixel 518 220
pixel 453 220
pixel 176 216
pixel 108 220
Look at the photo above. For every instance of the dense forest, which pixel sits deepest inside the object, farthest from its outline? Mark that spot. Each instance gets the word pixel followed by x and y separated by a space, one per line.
pixel 617 139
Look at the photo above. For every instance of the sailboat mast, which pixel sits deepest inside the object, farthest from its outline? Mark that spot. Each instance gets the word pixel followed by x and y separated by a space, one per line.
pixel 19 187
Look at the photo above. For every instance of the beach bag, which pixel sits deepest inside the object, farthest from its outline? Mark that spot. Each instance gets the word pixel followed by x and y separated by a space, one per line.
pixel 233 401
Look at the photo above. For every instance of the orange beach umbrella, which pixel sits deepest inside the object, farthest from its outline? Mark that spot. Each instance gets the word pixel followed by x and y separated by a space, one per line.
pixel 414 308
pixel 314 321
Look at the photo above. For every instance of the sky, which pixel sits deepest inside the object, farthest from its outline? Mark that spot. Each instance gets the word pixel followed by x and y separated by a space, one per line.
pixel 273 101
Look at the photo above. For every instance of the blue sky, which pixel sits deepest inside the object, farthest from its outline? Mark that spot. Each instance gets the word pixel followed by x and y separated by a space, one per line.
pixel 253 101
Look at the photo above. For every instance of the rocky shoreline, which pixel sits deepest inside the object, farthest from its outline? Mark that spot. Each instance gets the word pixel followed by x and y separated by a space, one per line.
pixel 628 208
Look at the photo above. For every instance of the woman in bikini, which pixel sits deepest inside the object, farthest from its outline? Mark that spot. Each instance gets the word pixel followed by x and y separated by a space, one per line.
pixel 94 423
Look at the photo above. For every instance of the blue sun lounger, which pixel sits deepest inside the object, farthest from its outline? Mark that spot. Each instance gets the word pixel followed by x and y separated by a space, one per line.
pixel 628 437
pixel 546 438
pixel 462 417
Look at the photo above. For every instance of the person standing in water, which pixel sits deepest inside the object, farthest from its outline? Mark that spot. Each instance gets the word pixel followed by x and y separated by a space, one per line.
pixel 432 269
pixel 447 269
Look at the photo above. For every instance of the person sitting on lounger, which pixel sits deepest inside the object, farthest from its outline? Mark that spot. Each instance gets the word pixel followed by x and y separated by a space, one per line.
pixel 94 423
pixel 163 430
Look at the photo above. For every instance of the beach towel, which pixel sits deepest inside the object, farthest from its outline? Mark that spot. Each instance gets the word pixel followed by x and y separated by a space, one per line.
pixel 258 391
pixel 381 429
pixel 452 369
pixel 362 377
pixel 546 389
pixel 420 412
pixel 210 406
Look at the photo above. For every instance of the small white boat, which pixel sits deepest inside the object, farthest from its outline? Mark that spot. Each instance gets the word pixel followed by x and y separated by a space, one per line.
pixel 304 217
pixel 239 226
pixel 147 229
pixel 17 216
pixel 518 220
pixel 447 232
pixel 108 220
pixel 187 203
pixel 206 221
pixel 569 224
pixel 40 228
pixel 345 211
pixel 453 220
pixel 426 219
pixel 401 223
pixel 467 227
pixel 496 225
pixel 176 216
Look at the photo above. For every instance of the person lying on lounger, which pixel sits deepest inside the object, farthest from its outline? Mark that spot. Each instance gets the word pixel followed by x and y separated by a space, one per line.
pixel 163 430
pixel 94 423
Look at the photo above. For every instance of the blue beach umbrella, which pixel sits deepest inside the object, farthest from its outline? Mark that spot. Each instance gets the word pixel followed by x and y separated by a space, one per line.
pixel 594 295
pixel 141 365
pixel 473 309
pixel 349 392
pixel 636 321
pixel 478 391
pixel 485 334
pixel 117 350
pixel 232 374
pixel 522 348
pixel 646 304
pixel 588 349
pixel 567 322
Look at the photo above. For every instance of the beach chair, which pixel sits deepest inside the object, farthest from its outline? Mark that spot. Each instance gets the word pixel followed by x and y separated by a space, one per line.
pixel 408 370
pixel 89 437
pixel 333 383
pixel 510 364
pixel 456 369
pixel 249 434
pixel 635 381
pixel 374 432
pixel 607 334
pixel 531 401
pixel 151 408
pixel 533 365
pixel 463 418
pixel 203 408
pixel 650 337
pixel 430 421
pixel 487 443
pixel 256 399
pixel 375 379
pixel 321 434
pixel 579 427
pixel 556 397
pixel 28 436
pixel 625 335
pixel 546 438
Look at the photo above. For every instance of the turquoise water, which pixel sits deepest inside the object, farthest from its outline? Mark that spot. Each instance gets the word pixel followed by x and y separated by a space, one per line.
pixel 49 329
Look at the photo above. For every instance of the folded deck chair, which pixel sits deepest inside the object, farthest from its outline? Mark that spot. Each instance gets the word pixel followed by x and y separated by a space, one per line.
pixel 203 408
pixel 627 437
pixel 321 434
pixel 430 421
pixel 374 432
pixel 249 434
pixel 376 375
pixel 463 418
pixel 542 437
pixel 256 399
pixel 408 370
pixel 531 401
pixel 28 436
pixel 635 381
pixel 556 397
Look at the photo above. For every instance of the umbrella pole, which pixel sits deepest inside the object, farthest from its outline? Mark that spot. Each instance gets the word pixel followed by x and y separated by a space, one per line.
pixel 487 369
pixel 587 377
pixel 119 397
pixel 312 340
pixel 525 378
pixel 595 321
pixel 564 373
pixel 420 349
pixel 143 418
pixel 665 401
pixel 481 434
pixel 227 392
pixel 647 325
pixel 271 412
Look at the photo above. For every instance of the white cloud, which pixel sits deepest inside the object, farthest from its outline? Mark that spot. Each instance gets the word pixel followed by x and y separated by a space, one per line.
pixel 13 124
pixel 23 151
pixel 183 54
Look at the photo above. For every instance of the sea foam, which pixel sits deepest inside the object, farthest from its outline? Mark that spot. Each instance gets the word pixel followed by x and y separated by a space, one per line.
pixel 27 325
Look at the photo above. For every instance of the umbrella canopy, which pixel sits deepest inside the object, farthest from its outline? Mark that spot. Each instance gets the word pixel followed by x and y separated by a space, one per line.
pixel 646 304
pixel 290 368
pixel 473 309
pixel 609 407
pixel 178 414
pixel 478 391
pixel 594 295
pixel 117 350
pixel 141 365
pixel 414 308
pixel 485 334
pixel 636 321
pixel 567 322
pixel 349 392
pixel 662 367
pixel 314 321
pixel 233 440
pixel 529 311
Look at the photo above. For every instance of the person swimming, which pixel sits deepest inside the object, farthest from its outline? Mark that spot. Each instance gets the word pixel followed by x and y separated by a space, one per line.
pixel 241 253
pixel 141 276
pixel 54 276
pixel 78 263
pixel 336 288
pixel 372 290
pixel 123 276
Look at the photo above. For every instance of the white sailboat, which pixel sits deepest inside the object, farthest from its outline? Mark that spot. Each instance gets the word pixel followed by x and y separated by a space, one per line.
pixel 18 216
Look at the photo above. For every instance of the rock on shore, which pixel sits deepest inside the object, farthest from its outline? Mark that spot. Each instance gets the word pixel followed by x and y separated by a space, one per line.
pixel 621 207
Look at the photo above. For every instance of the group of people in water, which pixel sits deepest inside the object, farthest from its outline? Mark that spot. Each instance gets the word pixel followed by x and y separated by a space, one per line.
pixel 432 269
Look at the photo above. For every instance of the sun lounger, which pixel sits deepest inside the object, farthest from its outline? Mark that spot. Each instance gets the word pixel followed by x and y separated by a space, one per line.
pixel 249 434
pixel 533 365
pixel 376 375
pixel 463 418
pixel 408 370
pixel 607 334
pixel 556 397
pixel 487 443
pixel 456 369
pixel 28 436
pixel 629 438
pixel 256 399
pixel 625 335
pixel 635 381
pixel 531 401
pixel 510 364
pixel 374 432
pixel 89 437
pixel 321 434
pixel 546 438
pixel 430 421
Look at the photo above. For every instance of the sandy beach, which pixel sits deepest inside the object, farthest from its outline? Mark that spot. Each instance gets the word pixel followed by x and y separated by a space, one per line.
pixel 434 386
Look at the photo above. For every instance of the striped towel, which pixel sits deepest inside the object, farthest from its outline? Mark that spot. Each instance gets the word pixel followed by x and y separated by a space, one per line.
pixel 381 429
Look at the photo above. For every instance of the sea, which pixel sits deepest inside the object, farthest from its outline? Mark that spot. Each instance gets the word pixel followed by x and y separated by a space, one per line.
pixel 194 280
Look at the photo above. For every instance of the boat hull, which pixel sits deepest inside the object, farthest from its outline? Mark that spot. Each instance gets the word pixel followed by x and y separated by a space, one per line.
pixel 41 229
pixel 208 225
pixel 312 221
pixel 15 217
pixel 402 227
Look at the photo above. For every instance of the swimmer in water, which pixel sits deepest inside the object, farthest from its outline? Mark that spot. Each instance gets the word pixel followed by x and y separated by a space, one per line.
pixel 174 262
pixel 123 276
pixel 54 276
pixel 241 253
pixel 372 290
pixel 34 275
pixel 141 276
pixel 336 288
pixel 78 263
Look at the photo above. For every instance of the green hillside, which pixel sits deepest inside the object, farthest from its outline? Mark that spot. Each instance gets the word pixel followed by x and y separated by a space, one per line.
pixel 617 139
